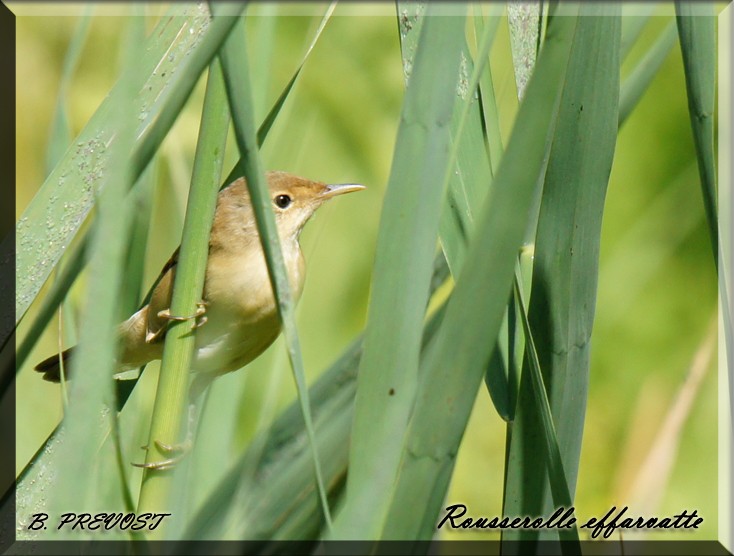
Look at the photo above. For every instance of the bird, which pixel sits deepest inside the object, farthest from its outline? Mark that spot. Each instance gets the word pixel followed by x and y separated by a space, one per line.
pixel 237 318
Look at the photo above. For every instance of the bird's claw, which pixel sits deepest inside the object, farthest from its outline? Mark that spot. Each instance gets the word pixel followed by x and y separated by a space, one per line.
pixel 182 448
pixel 199 317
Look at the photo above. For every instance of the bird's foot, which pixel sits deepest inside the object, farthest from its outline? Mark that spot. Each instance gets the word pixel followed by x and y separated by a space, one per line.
pixel 199 317
pixel 177 453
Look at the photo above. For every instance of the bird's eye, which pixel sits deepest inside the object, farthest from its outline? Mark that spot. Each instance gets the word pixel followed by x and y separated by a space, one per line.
pixel 282 201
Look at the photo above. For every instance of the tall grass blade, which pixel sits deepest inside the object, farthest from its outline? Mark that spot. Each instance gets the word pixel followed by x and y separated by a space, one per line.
pixel 470 153
pixel 506 360
pixel 234 62
pixel 473 170
pixel 410 18
pixel 90 394
pixel 490 113
pixel 697 32
pixel 557 476
pixel 697 27
pixel 454 363
pixel 405 252
pixel 472 174
pixel 171 395
pixel 564 280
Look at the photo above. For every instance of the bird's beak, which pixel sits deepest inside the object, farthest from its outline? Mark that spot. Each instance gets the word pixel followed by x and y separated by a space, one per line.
pixel 333 190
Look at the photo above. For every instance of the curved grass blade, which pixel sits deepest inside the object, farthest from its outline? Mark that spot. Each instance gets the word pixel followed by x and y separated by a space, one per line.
pixel 565 265
pixel 639 80
pixel 234 57
pixel 527 23
pixel 405 251
pixel 60 135
pixel 465 187
pixel 454 363
pixel 267 123
pixel 59 140
pixel 67 195
pixel 697 32
pixel 77 259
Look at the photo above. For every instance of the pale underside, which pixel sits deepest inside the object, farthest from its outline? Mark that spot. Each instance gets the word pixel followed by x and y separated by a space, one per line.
pixel 240 324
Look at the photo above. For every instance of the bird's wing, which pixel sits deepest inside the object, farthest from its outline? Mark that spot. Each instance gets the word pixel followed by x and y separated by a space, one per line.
pixel 160 300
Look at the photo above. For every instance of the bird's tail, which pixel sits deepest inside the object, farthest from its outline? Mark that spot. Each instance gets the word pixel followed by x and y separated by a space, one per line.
pixel 51 367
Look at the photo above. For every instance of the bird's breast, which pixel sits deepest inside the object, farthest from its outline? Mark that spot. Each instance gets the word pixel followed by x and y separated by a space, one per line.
pixel 241 282
pixel 242 318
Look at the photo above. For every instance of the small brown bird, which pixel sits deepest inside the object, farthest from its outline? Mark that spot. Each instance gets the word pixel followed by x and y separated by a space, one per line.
pixel 238 307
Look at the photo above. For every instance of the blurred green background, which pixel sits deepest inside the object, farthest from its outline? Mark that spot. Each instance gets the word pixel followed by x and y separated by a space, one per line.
pixel 656 305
